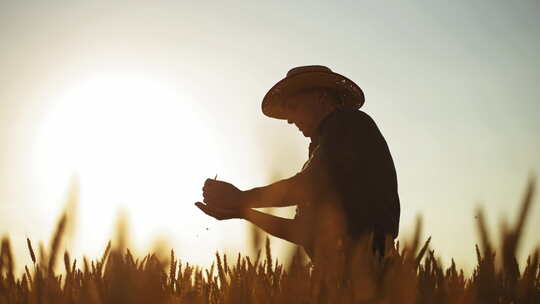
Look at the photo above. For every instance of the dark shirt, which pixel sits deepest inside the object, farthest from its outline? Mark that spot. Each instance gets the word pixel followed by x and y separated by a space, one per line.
pixel 349 161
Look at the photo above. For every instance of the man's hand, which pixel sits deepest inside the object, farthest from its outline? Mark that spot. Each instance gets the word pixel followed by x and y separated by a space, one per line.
pixel 222 195
pixel 219 213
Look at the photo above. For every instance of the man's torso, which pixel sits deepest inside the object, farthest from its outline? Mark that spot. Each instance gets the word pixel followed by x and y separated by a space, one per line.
pixel 361 171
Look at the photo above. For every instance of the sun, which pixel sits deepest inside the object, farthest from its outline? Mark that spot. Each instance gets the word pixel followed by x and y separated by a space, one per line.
pixel 135 143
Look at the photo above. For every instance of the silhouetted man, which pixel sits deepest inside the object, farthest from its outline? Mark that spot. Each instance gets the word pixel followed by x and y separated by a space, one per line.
pixel 348 186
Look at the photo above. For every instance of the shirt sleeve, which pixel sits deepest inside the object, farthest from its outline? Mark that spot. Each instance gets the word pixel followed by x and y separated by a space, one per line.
pixel 332 159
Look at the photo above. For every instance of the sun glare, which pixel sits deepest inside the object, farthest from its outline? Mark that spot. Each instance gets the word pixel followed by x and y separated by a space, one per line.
pixel 134 143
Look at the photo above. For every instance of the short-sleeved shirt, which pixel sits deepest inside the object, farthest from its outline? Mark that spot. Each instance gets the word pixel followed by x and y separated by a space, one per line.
pixel 353 156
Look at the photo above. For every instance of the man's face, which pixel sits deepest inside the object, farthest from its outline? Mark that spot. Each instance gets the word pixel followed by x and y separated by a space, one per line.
pixel 305 111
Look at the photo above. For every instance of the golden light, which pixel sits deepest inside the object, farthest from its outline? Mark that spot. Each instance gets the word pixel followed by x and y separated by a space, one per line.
pixel 135 143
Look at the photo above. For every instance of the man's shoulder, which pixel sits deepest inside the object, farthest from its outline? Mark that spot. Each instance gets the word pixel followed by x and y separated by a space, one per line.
pixel 351 118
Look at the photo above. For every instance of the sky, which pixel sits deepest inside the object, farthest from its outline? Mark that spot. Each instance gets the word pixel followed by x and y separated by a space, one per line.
pixel 134 104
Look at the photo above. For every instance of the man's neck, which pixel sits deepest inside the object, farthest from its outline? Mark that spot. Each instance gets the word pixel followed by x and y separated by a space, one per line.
pixel 320 127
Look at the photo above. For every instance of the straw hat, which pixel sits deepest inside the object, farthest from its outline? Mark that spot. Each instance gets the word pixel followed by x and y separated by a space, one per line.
pixel 305 77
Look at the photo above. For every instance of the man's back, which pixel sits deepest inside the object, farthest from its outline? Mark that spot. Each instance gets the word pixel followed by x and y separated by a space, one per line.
pixel 361 170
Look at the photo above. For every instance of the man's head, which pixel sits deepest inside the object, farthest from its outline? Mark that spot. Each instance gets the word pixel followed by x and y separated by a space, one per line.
pixel 319 87
pixel 308 107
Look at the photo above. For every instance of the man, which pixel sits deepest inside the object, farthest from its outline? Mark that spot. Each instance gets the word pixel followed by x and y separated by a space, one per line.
pixel 347 188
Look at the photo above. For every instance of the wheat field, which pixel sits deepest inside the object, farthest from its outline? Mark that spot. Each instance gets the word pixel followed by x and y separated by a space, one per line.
pixel 411 273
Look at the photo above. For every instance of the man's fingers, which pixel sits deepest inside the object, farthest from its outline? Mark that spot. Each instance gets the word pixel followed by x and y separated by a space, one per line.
pixel 219 204
pixel 214 190
pixel 206 208
pixel 211 188
pixel 202 207
pixel 214 195
pixel 211 197
pixel 208 211
pixel 213 212
pixel 211 182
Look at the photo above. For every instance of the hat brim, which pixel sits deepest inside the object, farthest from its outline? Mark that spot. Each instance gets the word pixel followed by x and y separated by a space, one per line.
pixel 275 102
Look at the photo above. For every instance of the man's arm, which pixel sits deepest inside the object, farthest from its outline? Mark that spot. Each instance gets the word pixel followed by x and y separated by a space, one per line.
pixel 224 195
pixel 283 228
pixel 305 186
pixel 286 192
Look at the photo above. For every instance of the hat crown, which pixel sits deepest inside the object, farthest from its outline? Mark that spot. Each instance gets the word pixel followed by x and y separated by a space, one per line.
pixel 307 69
